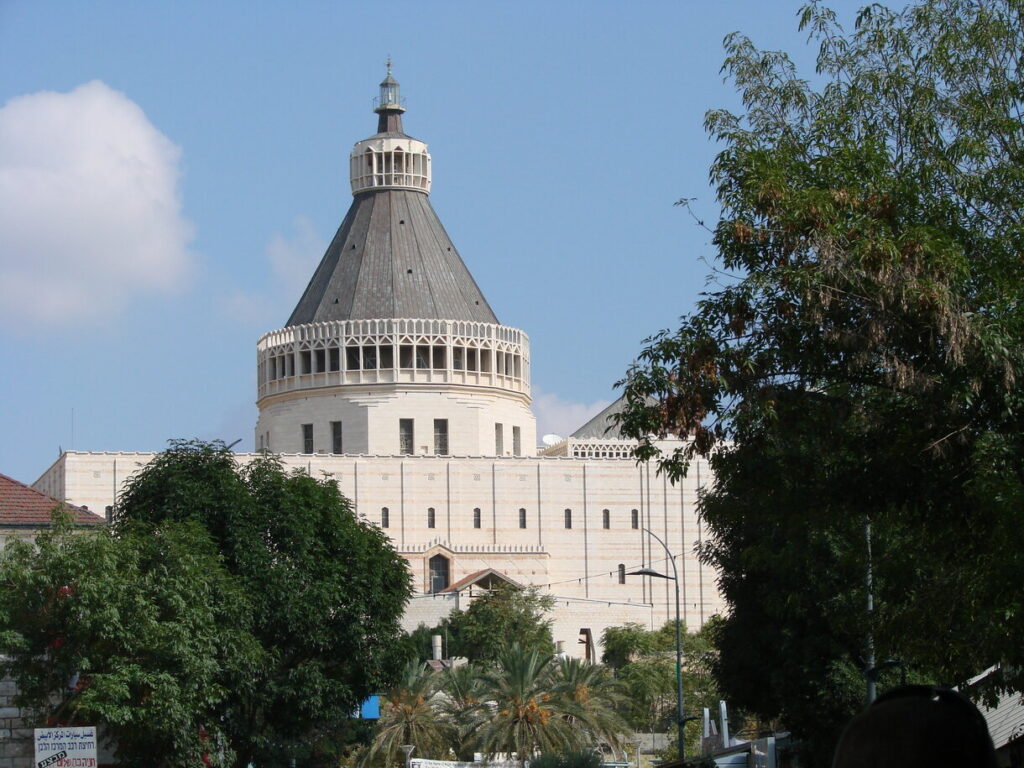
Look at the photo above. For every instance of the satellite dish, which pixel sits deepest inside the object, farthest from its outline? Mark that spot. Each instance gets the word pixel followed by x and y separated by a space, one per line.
pixel 550 440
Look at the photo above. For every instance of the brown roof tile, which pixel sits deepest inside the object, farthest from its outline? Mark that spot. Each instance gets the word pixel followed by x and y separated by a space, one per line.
pixel 21 505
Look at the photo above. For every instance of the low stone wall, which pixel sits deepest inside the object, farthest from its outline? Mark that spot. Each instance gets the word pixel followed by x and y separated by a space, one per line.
pixel 16 740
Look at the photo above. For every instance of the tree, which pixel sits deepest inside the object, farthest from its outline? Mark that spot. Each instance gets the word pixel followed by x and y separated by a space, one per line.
pixel 326 590
pixel 410 714
pixel 143 632
pixel 645 665
pixel 504 615
pixel 523 704
pixel 854 369
pixel 529 713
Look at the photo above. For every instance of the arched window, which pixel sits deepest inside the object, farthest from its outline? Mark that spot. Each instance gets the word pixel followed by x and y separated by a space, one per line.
pixel 622 573
pixel 522 518
pixel 568 518
pixel 476 517
pixel 634 519
pixel 385 517
pixel 438 565
pixel 606 519
pixel 431 517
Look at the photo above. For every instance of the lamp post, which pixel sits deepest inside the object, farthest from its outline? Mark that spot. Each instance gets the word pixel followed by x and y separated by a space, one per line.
pixel 680 712
pixel 408 750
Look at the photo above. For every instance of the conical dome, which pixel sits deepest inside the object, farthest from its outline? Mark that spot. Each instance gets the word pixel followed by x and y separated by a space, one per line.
pixel 391 257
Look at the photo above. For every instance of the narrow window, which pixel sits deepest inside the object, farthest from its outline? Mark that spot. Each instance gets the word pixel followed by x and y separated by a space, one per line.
pixel 307 438
pixel 458 355
pixel 385 517
pixel 405 436
pixel 441 437
pixel 422 357
pixel 335 359
pixel 405 356
pixel 622 573
pixel 471 359
pixel 439 358
pixel 351 358
pixel 499 440
pixel 606 519
pixel 369 358
pixel 634 519
pixel 306 358
pixel 387 356
pixel 321 360
pixel 517 441
pixel 336 437
pixel 476 517
pixel 522 518
pixel 438 573
pixel 431 519
pixel 568 518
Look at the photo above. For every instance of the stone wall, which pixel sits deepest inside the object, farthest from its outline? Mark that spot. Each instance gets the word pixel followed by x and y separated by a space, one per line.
pixel 16 739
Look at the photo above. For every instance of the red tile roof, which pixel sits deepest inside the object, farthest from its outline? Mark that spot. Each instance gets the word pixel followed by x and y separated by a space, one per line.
pixel 23 506
pixel 487 575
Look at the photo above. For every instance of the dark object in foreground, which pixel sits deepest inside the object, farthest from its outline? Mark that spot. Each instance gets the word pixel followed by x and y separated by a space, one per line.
pixel 917 725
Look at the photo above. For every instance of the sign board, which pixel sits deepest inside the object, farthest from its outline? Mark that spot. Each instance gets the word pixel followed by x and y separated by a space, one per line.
pixel 66 747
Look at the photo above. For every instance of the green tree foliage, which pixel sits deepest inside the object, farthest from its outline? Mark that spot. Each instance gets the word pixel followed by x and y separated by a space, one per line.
pixel 143 632
pixel 411 714
pixel 497 618
pixel 523 704
pixel 326 590
pixel 245 606
pixel 645 665
pixel 857 359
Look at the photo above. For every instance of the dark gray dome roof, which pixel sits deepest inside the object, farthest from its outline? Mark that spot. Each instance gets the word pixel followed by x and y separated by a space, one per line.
pixel 391 258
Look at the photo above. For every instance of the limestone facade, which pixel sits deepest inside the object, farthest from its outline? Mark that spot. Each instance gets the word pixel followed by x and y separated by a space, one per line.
pixel 573 527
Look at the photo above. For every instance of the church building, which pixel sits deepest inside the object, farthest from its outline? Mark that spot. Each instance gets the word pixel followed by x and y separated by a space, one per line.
pixel 394 377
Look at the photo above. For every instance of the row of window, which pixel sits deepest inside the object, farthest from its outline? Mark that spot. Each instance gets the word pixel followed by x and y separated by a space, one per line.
pixel 337 446
pixel 371 357
pixel 499 440
pixel 440 570
pixel 606 518
pixel 407 438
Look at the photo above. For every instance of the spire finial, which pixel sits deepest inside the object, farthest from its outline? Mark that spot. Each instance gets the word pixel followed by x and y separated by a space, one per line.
pixel 389 103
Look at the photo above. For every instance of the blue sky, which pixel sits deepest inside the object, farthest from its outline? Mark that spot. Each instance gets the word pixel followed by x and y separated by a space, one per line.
pixel 170 174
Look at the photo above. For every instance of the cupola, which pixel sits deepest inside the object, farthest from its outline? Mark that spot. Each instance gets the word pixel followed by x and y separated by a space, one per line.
pixel 389 159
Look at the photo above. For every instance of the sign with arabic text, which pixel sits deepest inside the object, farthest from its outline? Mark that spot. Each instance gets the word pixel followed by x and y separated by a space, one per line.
pixel 66 746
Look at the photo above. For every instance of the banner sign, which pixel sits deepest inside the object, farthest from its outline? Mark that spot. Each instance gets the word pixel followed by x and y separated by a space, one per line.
pixel 66 747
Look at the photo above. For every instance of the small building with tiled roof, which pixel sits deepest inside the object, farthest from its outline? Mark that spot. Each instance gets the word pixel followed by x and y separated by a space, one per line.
pixel 25 511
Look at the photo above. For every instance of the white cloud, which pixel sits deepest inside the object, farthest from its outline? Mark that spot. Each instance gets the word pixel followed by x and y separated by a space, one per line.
pixel 555 415
pixel 292 259
pixel 90 215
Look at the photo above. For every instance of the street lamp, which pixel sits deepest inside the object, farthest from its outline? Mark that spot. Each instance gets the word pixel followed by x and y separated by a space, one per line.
pixel 680 713
pixel 408 750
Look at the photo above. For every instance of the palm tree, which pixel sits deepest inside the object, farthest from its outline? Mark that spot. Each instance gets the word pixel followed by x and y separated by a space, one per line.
pixel 461 691
pixel 410 715
pixel 525 711
pixel 599 697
